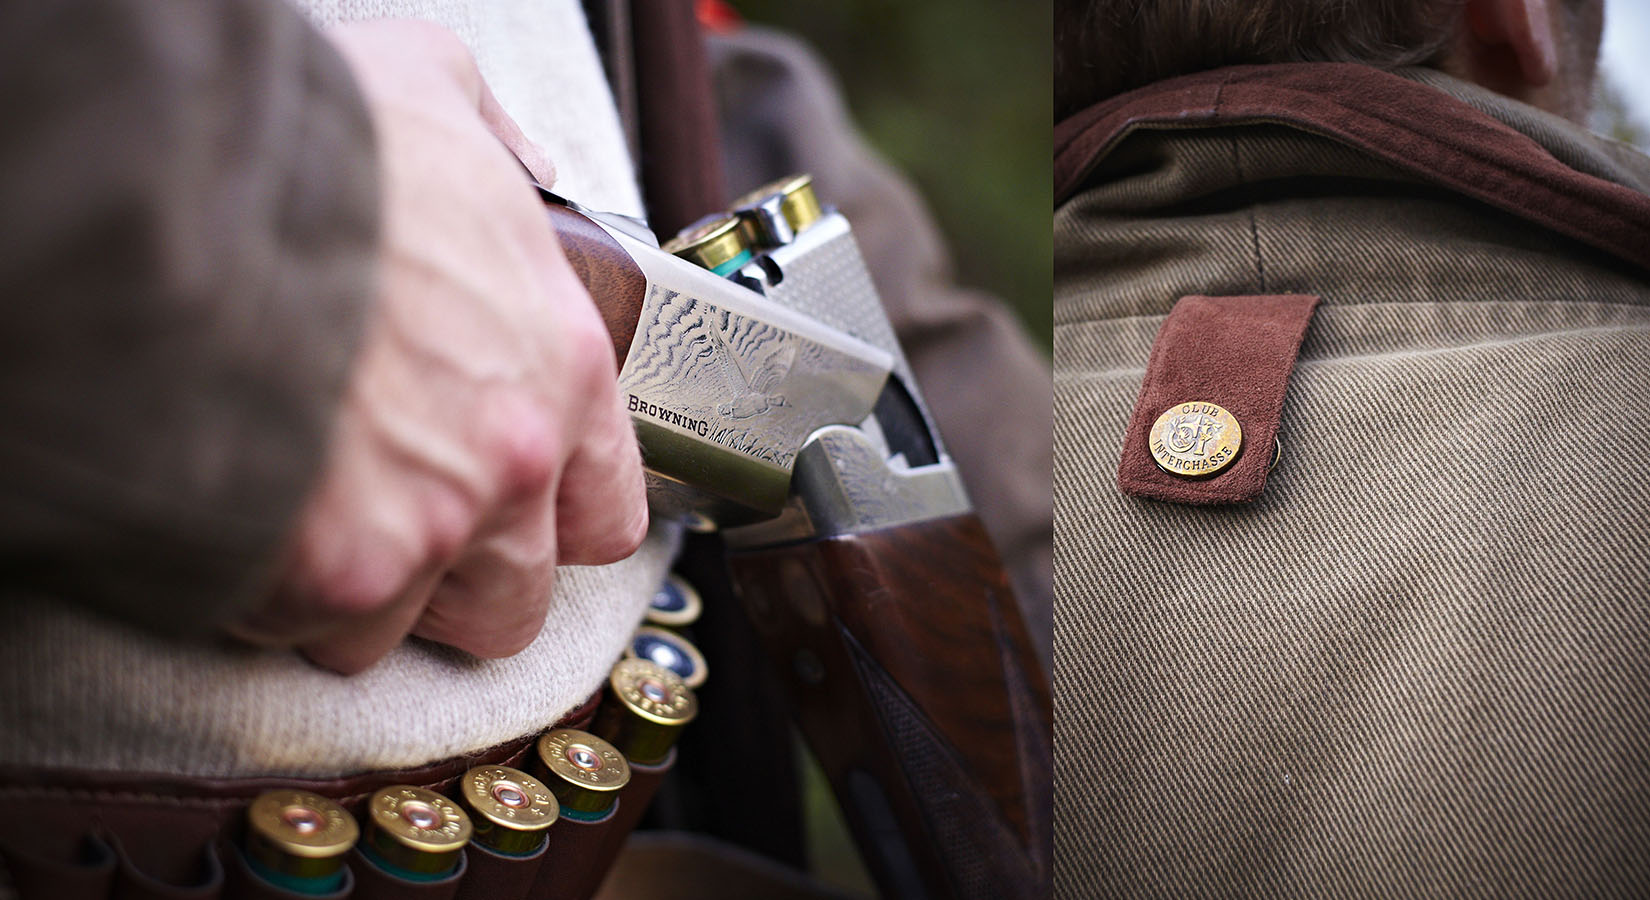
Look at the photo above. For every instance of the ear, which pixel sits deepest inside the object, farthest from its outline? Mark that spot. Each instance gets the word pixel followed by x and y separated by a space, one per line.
pixel 1522 27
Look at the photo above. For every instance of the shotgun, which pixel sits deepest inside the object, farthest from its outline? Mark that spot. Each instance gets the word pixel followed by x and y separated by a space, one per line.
pixel 772 402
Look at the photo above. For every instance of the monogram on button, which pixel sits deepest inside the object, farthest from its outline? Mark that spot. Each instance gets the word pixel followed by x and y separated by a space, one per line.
pixel 1195 439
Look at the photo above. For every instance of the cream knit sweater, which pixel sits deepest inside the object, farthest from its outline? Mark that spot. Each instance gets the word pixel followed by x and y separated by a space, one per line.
pixel 92 694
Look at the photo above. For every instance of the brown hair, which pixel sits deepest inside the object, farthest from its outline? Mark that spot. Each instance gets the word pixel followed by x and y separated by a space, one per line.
pixel 1106 47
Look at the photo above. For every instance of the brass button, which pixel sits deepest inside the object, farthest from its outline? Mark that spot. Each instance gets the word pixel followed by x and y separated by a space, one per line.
pixel 583 771
pixel 510 809
pixel 414 830
pixel 1195 439
pixel 298 839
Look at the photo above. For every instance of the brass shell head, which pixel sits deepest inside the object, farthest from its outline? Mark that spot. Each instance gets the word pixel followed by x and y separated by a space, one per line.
pixel 509 808
pixel 298 834
pixel 715 242
pixel 646 707
pixel 582 770
pixel 775 213
pixel 416 830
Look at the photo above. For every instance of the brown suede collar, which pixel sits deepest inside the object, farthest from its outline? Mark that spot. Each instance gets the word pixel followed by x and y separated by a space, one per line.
pixel 1409 125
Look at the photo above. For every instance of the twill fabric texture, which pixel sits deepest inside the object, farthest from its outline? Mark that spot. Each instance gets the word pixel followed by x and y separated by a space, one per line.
pixel 1416 665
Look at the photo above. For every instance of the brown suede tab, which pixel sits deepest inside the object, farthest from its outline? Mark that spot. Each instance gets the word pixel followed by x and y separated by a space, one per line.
pixel 375 883
pixel 572 844
pixel 241 883
pixel 87 874
pixel 494 875
pixel 134 883
pixel 580 853
pixel 1235 352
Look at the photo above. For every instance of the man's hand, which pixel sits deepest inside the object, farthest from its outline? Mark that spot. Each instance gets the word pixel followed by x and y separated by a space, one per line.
pixel 481 440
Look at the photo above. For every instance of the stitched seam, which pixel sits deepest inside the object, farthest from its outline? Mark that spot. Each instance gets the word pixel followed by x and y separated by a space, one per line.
pixel 123 797
pixel 1254 227
pixel 1254 193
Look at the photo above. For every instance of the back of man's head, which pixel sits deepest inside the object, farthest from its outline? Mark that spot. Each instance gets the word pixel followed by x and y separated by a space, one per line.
pixel 1541 51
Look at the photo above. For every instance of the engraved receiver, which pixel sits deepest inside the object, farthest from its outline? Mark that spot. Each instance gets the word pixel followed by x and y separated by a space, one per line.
pixel 772 401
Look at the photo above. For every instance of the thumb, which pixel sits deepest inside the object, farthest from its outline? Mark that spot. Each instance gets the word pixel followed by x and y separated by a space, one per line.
pixel 506 130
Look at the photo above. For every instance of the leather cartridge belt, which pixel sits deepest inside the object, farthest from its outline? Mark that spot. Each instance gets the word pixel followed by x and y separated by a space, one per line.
pixel 76 835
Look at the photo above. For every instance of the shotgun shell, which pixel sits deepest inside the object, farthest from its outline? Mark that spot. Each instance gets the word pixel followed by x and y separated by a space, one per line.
pixel 510 809
pixel 675 604
pixel 714 242
pixel 646 707
pixel 297 840
pixel 583 771
pixel 670 650
pixel 415 833
pixel 775 213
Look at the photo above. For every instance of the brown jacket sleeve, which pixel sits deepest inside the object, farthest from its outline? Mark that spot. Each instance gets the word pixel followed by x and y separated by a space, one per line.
pixel 988 388
pixel 188 215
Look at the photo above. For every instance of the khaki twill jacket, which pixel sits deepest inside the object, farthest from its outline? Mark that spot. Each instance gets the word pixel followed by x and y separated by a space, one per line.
pixel 1419 663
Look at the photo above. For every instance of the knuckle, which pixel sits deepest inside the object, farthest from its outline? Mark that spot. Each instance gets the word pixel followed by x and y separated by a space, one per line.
pixel 629 539
pixel 588 348
pixel 358 587
pixel 622 539
pixel 343 659
pixel 520 440
pixel 448 519
pixel 503 644
pixel 505 636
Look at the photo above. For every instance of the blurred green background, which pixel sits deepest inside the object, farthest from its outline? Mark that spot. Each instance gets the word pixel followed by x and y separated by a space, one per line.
pixel 957 94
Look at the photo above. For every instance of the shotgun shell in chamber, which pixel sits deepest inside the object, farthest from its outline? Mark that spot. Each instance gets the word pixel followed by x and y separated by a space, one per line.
pixel 775 213
pixel 583 771
pixel 714 242
pixel 670 650
pixel 414 832
pixel 510 809
pixel 297 840
pixel 675 604
pixel 646 707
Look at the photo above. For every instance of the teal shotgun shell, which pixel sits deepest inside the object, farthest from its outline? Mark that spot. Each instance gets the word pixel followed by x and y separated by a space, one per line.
pixel 416 833
pixel 646 707
pixel 297 840
pixel 510 809
pixel 585 772
pixel 716 242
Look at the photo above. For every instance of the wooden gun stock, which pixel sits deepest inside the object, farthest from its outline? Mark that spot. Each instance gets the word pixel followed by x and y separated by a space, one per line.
pixel 608 273
pixel 908 666
pixel 907 661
